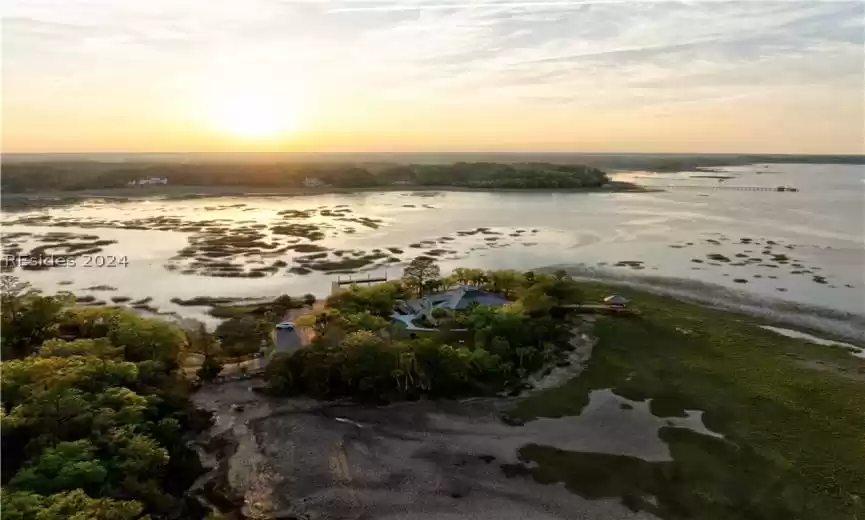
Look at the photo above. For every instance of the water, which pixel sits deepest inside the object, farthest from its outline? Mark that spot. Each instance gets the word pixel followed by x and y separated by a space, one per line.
pixel 822 224
pixel 854 350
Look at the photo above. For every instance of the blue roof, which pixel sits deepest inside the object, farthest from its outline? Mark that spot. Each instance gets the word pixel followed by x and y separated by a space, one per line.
pixel 481 298
pixel 463 296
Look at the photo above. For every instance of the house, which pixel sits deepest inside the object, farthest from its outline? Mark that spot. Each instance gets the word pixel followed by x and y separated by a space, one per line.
pixel 458 299
pixel 287 338
pixel 617 302
pixel 312 182
pixel 462 297
pixel 149 180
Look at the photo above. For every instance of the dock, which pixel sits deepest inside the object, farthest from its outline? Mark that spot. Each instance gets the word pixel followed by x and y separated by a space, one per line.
pixel 739 188
pixel 340 281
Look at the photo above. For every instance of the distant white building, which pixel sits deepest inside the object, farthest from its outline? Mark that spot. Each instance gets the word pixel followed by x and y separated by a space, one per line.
pixel 148 180
pixel 312 182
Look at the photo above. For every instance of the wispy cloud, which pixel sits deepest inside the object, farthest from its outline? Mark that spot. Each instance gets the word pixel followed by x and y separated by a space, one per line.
pixel 608 54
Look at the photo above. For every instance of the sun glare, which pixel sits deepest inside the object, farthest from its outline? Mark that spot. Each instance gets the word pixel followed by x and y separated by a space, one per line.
pixel 255 115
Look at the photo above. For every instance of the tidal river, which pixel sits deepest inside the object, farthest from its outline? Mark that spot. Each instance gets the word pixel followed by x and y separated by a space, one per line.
pixel 804 247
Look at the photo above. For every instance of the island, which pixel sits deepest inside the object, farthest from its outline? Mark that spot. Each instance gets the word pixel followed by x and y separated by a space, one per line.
pixel 29 177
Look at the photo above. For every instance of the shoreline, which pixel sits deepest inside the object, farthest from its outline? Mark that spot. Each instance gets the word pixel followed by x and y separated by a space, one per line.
pixel 774 311
pixel 204 191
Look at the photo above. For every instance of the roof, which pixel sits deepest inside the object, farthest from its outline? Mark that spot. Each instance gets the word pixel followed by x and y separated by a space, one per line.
pixel 616 299
pixel 462 297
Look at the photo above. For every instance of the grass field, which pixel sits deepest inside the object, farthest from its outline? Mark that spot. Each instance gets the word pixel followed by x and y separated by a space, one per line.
pixel 792 415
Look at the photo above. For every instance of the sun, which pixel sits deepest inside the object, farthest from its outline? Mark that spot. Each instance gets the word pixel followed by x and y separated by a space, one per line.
pixel 255 115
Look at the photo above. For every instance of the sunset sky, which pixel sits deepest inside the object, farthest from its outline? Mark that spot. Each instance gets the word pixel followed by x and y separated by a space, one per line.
pixel 378 75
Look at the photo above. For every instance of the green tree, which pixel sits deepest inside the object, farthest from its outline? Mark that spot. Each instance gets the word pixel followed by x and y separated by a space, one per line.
pixel 147 339
pixel 505 281
pixel 564 290
pixel 320 321
pixel 420 271
pixel 243 335
pixel 378 299
pixel 210 368
pixel 364 321
pixel 99 347
pixel 536 301
pixel 200 341
pixel 279 374
pixel 134 454
pixel 28 317
pixel 70 505
pixel 282 304
pixel 64 467
pixel 467 276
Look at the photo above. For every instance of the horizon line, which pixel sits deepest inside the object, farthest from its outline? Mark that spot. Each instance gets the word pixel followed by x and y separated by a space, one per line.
pixel 421 152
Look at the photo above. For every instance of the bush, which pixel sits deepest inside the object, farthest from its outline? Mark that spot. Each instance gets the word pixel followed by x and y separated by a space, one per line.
pixel 210 369
pixel 243 335
pixel 377 299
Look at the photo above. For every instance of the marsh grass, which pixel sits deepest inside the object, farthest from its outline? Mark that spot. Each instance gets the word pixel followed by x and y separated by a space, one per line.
pixel 792 444
pixel 308 248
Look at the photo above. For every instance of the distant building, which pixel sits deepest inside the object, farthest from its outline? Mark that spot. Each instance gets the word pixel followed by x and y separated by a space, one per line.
pixel 616 301
pixel 148 180
pixel 312 182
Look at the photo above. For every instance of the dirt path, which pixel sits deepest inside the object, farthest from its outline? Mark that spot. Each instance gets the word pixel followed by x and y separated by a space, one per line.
pixel 306 333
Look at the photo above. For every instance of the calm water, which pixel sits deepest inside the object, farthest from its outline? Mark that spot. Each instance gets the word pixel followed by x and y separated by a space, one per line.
pixel 823 224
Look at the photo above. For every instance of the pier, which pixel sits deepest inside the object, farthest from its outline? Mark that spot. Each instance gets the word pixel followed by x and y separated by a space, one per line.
pixel 340 281
pixel 739 188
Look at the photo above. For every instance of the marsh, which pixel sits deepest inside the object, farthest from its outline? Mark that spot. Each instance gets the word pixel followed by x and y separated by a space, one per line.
pixel 804 247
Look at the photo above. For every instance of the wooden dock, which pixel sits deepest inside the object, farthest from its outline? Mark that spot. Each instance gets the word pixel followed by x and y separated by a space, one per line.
pixel 590 308
pixel 340 281
pixel 780 189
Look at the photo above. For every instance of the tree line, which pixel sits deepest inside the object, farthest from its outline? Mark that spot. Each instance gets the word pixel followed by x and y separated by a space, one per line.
pixel 32 177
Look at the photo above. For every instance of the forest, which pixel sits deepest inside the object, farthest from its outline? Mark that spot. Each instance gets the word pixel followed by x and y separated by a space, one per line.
pixel 69 176
pixel 32 173
pixel 359 352
pixel 95 414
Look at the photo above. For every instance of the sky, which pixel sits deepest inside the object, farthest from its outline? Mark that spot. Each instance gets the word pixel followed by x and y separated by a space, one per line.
pixel 419 75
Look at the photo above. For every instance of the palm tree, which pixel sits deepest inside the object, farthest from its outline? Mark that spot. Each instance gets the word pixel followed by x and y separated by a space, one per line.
pixel 396 374
pixel 408 365
pixel 522 352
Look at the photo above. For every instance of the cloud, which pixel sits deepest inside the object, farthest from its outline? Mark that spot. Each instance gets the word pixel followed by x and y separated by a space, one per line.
pixel 610 54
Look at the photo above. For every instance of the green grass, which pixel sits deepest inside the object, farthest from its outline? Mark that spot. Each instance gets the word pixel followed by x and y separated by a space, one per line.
pixel 794 436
